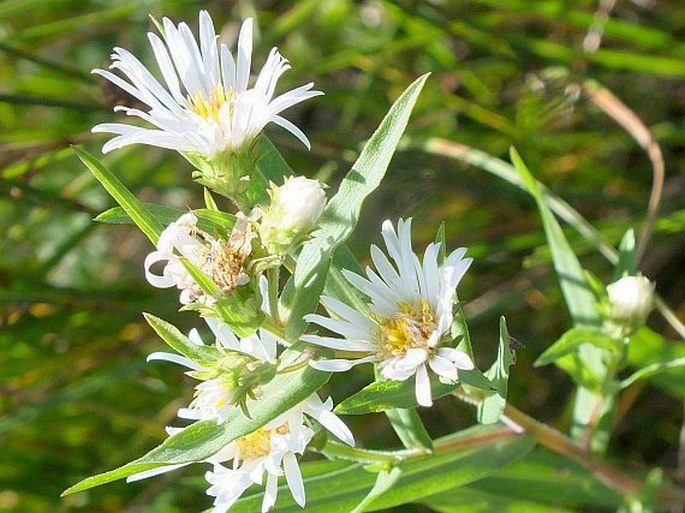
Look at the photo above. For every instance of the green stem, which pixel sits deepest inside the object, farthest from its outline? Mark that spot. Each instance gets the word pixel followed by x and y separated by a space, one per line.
pixel 602 418
pixel 444 446
pixel 273 278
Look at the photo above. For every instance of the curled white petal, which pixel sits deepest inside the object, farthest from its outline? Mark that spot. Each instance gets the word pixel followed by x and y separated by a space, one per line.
pixel 175 358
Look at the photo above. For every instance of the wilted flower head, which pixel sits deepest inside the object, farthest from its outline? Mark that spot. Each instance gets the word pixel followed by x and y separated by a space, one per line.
pixel 410 313
pixel 205 105
pixel 294 212
pixel 223 261
pixel 629 302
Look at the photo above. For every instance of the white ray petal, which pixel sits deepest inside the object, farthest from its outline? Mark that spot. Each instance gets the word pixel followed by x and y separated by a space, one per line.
pixel 341 344
pixel 339 365
pixel 244 55
pixel 294 478
pixel 423 387
pixel 175 358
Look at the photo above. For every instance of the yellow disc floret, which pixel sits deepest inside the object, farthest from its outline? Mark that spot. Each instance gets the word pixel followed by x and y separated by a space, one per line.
pixel 411 327
pixel 257 444
pixel 209 108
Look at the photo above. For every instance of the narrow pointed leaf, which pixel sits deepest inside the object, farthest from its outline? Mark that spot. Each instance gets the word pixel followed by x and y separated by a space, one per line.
pixel 135 209
pixel 383 395
pixel 647 347
pixel 579 297
pixel 570 341
pixel 180 343
pixel 652 370
pixel 580 300
pixel 627 257
pixel 409 429
pixel 460 331
pixel 207 220
pixel 561 208
pixel 491 407
pixel 342 212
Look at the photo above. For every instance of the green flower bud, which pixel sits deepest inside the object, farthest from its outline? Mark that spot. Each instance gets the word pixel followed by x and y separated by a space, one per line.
pixel 629 302
pixel 294 212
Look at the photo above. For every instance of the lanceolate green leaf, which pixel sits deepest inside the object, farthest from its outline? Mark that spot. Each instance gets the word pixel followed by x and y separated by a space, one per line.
pixel 542 476
pixel 570 341
pixel 383 395
pixel 580 299
pixel 460 331
pixel 207 220
pixel 270 166
pixel 182 344
pixel 652 370
pixel 491 407
pixel 561 208
pixel 647 347
pixel 407 425
pixel 468 500
pixel 203 439
pixel 342 212
pixel 136 210
pixel 409 428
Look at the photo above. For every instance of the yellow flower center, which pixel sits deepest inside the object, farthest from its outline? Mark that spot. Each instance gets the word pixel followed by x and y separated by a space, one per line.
pixel 209 108
pixel 411 327
pixel 258 444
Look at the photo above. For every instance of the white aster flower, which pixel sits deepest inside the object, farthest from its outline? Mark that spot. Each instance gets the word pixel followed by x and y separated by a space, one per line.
pixel 205 105
pixel 411 311
pixel 223 261
pixel 271 450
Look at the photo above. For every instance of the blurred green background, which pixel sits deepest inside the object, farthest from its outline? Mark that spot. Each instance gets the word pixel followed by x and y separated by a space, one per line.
pixel 76 397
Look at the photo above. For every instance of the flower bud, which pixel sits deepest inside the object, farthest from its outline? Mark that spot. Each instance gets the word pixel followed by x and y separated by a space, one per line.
pixel 630 300
pixel 295 209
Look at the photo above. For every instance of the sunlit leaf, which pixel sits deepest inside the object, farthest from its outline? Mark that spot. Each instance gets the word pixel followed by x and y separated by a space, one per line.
pixel 491 407
pixel 383 395
pixel 207 220
pixel 180 343
pixel 342 212
pixel 135 209
pixel 570 341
